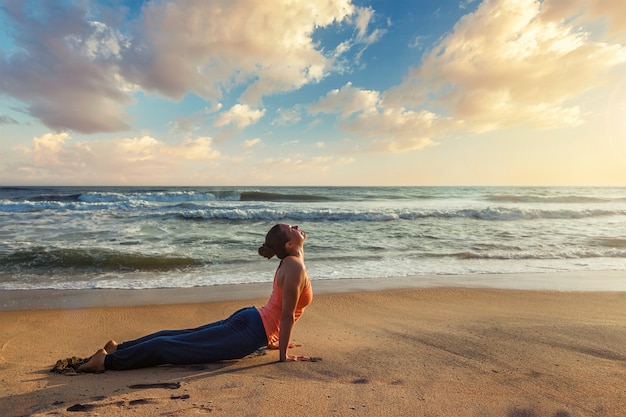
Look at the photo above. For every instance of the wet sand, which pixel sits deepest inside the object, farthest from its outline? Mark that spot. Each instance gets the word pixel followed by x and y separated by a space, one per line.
pixel 385 352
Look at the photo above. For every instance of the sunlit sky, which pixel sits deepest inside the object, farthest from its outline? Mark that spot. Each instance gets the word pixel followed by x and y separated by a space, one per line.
pixel 313 92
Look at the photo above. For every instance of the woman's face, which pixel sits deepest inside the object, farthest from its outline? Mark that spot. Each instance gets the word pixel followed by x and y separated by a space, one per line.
pixel 293 234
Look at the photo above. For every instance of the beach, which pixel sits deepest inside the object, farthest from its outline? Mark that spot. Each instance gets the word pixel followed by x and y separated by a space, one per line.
pixel 385 351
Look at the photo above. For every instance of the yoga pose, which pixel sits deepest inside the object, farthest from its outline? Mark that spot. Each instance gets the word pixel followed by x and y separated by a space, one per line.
pixel 242 333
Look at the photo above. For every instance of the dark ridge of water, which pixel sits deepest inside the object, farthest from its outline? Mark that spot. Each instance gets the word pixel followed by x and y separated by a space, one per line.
pixel 264 196
pixel 102 259
pixel 56 197
pixel 15 189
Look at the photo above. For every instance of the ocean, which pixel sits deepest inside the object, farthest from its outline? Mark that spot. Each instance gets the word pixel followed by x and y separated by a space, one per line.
pixel 169 237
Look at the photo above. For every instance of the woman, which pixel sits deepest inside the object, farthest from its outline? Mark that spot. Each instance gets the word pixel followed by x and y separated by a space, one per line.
pixel 242 333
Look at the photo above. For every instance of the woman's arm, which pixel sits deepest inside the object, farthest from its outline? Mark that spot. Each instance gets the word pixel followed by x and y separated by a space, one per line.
pixel 293 282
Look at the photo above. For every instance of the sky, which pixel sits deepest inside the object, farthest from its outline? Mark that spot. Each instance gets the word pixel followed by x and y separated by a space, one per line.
pixel 313 92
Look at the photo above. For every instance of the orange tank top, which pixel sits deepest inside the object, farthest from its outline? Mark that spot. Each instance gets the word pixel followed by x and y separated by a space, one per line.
pixel 271 312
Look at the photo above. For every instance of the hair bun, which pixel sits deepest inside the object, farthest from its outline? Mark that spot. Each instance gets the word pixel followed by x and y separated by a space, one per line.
pixel 266 251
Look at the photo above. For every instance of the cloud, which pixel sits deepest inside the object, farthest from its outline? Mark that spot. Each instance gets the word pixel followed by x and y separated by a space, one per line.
pixel 385 129
pixel 141 159
pixel 614 12
pixel 240 115
pixel 210 47
pixel 396 129
pixel 74 72
pixel 48 149
pixel 362 20
pixel 347 101
pixel 188 124
pixel 504 65
pixel 466 4
pixel 64 69
pixel 298 167
pixel 199 149
pixel 417 41
pixel 287 116
pixel 251 142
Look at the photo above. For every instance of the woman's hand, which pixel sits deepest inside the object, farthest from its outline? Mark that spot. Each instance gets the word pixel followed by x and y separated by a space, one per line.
pixel 294 358
pixel 274 346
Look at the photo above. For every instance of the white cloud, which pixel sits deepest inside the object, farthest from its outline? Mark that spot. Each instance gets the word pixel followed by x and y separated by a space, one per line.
pixel 397 129
pixel 287 117
pixel 347 101
pixel 505 66
pixel 385 129
pixel 297 167
pixel 139 158
pixel 74 73
pixel 210 47
pixel 138 149
pixel 363 18
pixel 213 109
pixel 251 142
pixel 47 148
pixel 240 115
pixel 199 149
pixel 586 10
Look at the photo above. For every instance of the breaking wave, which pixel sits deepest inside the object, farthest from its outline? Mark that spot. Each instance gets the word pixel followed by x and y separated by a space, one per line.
pixel 101 259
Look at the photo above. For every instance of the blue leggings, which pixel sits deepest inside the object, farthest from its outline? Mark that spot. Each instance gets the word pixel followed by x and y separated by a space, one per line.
pixel 237 336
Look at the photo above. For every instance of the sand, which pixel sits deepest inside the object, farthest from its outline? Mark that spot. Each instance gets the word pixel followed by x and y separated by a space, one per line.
pixel 388 352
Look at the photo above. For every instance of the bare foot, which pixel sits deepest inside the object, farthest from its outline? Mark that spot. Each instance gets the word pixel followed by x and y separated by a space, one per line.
pixel 95 364
pixel 111 346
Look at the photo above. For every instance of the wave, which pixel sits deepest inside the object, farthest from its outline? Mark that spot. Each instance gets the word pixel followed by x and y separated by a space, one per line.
pixel 174 195
pixel 96 259
pixel 489 214
pixel 572 254
pixel 59 206
pixel 264 196
pixel 56 197
pixel 125 201
pixel 168 196
pixel 206 207
pixel 160 196
pixel 566 199
pixel 109 200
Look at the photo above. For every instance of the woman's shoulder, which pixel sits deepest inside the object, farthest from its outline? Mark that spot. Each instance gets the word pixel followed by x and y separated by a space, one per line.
pixel 292 266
